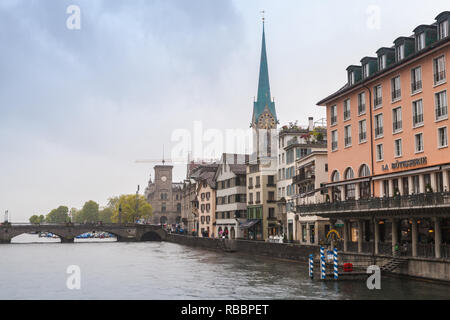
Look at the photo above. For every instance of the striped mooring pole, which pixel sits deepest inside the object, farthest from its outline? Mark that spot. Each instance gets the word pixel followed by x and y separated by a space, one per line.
pixel 336 264
pixel 322 264
pixel 311 266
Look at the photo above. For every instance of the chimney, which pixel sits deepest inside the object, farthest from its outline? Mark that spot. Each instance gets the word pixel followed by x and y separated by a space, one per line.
pixel 311 124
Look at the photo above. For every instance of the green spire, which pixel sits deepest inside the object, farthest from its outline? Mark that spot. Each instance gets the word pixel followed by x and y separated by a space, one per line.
pixel 264 99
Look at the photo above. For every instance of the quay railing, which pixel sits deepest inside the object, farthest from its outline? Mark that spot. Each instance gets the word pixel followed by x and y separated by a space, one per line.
pixel 399 202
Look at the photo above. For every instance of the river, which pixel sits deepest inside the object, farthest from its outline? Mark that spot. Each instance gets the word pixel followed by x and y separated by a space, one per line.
pixel 162 270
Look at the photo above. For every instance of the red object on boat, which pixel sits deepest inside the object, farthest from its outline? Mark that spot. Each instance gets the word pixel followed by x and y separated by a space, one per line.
pixel 348 267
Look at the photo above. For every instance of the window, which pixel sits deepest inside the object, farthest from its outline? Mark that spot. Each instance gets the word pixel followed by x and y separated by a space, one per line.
pixel 420 41
pixel 416 79
pixel 417 109
pixel 333 115
pixel 441 105
pixel 396 89
pixel 400 52
pixel 258 182
pixel 398 148
pixel 334 140
pixel 271 180
pixel 362 131
pixel 443 29
pixel 352 78
pixel 419 142
pixel 382 62
pixel 258 197
pixel 366 70
pixel 346 109
pixel 397 120
pixel 380 155
pixel 348 136
pixel 439 70
pixel 442 137
pixel 250 183
pixel 250 198
pixel 377 97
pixel 379 126
pixel 362 103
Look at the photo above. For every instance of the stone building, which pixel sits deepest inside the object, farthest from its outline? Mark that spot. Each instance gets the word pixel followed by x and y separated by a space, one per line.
pixel 164 196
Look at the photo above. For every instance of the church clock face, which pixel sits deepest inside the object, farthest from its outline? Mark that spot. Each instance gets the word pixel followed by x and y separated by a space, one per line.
pixel 266 121
pixel 163 178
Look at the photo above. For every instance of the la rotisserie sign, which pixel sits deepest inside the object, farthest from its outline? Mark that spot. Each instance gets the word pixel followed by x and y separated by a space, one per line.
pixel 405 164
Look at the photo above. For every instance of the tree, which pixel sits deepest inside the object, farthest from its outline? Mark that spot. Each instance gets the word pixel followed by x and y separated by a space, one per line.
pixel 35 219
pixel 59 215
pixel 128 205
pixel 89 213
pixel 106 215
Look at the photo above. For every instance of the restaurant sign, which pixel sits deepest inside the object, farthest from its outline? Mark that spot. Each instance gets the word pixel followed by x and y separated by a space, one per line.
pixel 406 164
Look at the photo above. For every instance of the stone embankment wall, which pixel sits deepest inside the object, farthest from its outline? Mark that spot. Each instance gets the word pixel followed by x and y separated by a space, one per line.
pixel 433 269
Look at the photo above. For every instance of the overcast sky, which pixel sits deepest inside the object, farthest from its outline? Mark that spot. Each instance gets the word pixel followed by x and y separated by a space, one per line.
pixel 79 107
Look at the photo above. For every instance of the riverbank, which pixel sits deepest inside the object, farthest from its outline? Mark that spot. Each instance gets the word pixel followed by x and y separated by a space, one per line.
pixel 416 268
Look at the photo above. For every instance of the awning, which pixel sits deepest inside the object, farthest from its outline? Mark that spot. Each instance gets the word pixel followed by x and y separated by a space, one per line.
pixel 249 223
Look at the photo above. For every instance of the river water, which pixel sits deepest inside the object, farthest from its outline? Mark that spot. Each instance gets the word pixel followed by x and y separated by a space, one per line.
pixel 161 270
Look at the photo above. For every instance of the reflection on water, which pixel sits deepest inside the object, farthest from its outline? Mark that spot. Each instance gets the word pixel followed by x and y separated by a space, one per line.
pixel 160 270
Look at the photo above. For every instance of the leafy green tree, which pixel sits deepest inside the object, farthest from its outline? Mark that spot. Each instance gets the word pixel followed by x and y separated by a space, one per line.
pixel 128 205
pixel 59 215
pixel 34 219
pixel 106 215
pixel 89 213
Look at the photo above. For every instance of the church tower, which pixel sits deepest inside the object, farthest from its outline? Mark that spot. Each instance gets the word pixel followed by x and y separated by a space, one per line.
pixel 264 120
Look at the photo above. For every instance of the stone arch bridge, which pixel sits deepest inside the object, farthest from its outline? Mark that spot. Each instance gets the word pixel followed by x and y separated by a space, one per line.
pixel 68 231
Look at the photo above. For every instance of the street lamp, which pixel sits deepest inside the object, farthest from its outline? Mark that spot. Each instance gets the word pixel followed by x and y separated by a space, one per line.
pixel 137 204
pixel 120 213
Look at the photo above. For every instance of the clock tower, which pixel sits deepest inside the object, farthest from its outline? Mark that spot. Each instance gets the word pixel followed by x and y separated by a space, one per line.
pixel 264 120
pixel 164 196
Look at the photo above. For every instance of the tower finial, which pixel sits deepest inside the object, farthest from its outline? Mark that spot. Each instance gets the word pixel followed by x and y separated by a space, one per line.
pixel 163 161
pixel 263 17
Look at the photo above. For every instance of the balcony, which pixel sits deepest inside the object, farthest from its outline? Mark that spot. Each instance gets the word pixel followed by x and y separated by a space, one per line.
pixel 303 177
pixel 441 112
pixel 439 76
pixel 396 94
pixel 417 202
pixel 416 86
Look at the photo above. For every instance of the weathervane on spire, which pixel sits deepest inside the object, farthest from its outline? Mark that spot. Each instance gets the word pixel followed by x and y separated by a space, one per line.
pixel 263 17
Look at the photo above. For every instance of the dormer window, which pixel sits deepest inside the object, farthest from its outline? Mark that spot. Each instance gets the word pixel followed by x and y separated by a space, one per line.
pixel 420 40
pixel 443 29
pixel 400 52
pixel 352 78
pixel 382 62
pixel 366 70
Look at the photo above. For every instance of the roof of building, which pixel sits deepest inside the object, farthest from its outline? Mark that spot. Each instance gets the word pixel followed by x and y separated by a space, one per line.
pixel 347 87
pixel 264 99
